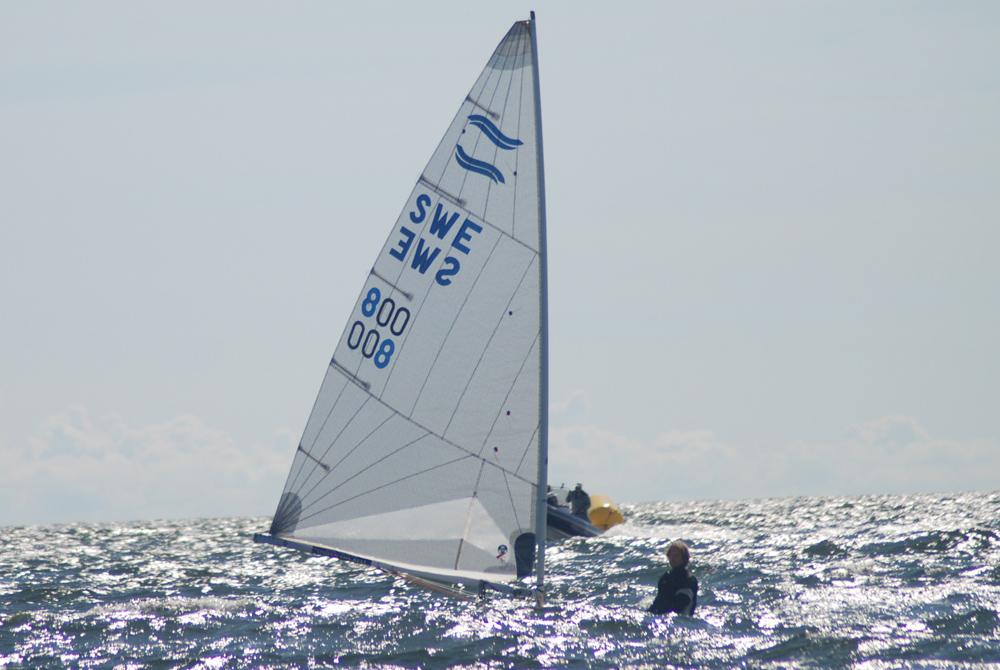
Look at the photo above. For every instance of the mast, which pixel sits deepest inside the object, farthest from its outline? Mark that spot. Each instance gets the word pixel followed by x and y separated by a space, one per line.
pixel 543 309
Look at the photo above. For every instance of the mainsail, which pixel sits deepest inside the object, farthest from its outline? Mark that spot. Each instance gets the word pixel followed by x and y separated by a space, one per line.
pixel 425 451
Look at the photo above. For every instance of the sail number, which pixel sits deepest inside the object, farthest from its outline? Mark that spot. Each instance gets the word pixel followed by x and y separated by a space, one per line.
pixel 370 340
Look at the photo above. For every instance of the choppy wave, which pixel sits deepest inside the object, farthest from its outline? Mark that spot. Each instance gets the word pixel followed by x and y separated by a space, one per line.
pixel 877 581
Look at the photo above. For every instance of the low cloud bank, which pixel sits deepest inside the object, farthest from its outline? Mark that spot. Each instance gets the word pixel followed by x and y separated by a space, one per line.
pixel 891 454
pixel 81 468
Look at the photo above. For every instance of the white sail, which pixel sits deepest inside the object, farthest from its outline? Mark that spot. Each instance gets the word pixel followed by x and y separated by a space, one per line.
pixel 422 450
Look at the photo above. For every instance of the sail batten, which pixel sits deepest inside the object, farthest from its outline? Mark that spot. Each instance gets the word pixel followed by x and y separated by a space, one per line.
pixel 413 454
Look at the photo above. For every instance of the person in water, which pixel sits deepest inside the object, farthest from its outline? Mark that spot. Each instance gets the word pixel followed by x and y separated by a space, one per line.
pixel 677 590
pixel 579 502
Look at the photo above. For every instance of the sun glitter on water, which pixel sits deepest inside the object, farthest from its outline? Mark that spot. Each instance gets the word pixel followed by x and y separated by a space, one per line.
pixel 883 580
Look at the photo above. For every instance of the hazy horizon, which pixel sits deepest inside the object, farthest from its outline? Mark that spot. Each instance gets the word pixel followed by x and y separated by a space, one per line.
pixel 266 517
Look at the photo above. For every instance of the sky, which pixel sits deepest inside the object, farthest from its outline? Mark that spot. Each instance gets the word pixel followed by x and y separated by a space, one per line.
pixel 772 227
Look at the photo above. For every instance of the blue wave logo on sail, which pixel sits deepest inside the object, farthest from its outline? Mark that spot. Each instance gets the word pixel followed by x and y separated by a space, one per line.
pixel 493 133
pixel 479 167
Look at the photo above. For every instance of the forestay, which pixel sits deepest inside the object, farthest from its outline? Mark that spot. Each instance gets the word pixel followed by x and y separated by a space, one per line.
pixel 421 452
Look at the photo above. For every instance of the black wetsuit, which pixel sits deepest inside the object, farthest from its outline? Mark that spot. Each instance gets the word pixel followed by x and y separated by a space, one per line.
pixel 678 592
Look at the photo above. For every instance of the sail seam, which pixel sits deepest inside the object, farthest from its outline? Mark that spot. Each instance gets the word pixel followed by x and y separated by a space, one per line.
pixel 291 481
pixel 499 229
pixel 295 482
pixel 525 452
pixel 468 515
pixel 437 150
pixel 378 488
pixel 506 397
pixel 342 458
pixel 416 315
pixel 510 496
pixel 451 327
pixel 421 235
pixel 486 347
pixel 365 439
pixel 517 154
pixel 446 440
pixel 458 199
pixel 337 436
pixel 363 470
pixel 520 46
pixel 353 376
pixel 475 146
pixel 419 308
pixel 496 149
pixel 447 162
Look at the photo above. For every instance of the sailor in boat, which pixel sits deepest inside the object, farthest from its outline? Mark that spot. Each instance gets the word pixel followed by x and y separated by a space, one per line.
pixel 579 501
pixel 677 588
pixel 580 515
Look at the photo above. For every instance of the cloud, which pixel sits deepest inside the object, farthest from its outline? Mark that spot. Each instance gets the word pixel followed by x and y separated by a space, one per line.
pixel 78 467
pixel 574 408
pixel 890 431
pixel 891 454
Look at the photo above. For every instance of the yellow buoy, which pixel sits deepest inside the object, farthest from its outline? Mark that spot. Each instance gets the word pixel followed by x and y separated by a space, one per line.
pixel 604 513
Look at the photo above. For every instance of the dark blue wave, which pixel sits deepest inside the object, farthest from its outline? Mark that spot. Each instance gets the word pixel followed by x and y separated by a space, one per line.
pixel 473 165
pixel 493 133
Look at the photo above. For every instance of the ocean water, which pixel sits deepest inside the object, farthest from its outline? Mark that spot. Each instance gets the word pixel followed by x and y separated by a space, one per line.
pixel 879 582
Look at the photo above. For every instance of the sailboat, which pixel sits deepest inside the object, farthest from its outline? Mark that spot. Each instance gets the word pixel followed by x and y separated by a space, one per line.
pixel 425 453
